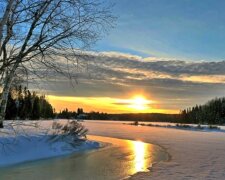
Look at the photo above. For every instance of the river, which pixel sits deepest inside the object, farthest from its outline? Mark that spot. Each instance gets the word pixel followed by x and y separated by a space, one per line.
pixel 116 159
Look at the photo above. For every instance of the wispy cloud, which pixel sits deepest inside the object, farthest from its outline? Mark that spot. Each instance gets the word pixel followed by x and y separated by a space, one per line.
pixel 173 84
pixel 112 65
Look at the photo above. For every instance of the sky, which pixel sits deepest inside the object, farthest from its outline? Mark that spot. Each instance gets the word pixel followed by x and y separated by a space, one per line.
pixel 184 29
pixel 169 54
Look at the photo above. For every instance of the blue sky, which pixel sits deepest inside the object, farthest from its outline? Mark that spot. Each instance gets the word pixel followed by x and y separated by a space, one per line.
pixel 170 51
pixel 179 29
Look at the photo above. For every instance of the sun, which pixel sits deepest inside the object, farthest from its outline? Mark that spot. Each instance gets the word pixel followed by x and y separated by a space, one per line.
pixel 139 103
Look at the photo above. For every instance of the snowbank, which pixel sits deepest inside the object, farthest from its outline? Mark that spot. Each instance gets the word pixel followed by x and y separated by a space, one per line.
pixel 188 127
pixel 31 145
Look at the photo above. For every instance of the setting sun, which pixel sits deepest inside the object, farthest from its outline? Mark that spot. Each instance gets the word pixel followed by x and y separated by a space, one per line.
pixel 139 103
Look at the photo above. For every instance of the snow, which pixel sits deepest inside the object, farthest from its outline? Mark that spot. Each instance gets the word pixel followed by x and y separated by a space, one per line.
pixel 194 154
pixel 34 144
pixel 188 127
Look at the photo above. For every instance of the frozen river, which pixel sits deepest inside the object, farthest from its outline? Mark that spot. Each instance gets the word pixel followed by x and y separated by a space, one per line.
pixel 117 159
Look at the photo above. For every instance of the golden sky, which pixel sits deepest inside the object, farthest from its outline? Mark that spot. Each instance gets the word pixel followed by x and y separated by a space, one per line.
pixel 136 104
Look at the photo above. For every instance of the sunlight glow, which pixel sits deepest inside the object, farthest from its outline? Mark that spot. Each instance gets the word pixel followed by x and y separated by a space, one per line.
pixel 139 103
pixel 134 104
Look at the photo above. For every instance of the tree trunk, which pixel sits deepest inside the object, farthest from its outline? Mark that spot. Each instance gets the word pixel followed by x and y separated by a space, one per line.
pixel 5 93
pixel 5 18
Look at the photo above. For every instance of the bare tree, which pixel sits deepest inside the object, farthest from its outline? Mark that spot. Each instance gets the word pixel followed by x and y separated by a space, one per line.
pixel 50 33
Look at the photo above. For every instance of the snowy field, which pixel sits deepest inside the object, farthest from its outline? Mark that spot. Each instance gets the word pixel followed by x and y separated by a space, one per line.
pixel 194 154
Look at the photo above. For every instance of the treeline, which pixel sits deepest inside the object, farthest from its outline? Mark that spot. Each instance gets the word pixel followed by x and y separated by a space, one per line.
pixel 213 112
pixel 23 104
pixel 150 117
pixel 66 114
pixel 156 117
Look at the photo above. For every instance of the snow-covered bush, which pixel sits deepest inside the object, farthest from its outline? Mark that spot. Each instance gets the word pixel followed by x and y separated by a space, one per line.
pixel 71 132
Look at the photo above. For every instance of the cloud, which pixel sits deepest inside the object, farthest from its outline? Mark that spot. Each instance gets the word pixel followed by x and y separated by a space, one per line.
pixel 118 66
pixel 172 83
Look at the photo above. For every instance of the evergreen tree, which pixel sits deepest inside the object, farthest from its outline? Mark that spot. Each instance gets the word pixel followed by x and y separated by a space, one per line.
pixel 36 108
pixel 213 112
pixel 24 105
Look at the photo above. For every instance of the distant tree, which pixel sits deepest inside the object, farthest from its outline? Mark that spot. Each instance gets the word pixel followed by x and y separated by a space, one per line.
pixel 11 110
pixel 36 107
pixel 80 111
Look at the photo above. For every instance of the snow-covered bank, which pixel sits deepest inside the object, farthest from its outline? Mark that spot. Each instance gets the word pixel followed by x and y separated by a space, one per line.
pixel 203 128
pixel 34 144
pixel 194 154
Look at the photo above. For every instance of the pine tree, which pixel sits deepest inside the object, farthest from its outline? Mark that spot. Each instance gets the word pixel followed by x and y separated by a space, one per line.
pixel 36 107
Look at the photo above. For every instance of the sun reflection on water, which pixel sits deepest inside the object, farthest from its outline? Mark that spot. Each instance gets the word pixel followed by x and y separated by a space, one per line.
pixel 140 149
pixel 134 156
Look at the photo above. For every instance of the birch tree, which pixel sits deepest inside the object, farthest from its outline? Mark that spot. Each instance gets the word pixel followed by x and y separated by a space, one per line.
pixel 51 33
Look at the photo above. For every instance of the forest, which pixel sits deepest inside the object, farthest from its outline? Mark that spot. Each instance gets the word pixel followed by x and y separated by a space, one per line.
pixel 24 104
pixel 213 112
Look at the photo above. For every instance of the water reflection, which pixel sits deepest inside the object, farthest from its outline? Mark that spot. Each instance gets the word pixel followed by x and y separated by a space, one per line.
pixel 135 156
pixel 139 149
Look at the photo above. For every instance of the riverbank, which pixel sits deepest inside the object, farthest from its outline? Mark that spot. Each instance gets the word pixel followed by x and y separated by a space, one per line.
pixel 188 127
pixel 28 143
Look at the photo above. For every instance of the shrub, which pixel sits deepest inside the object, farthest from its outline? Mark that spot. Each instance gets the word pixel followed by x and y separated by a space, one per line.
pixel 72 132
pixel 199 127
pixel 213 127
pixel 183 126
